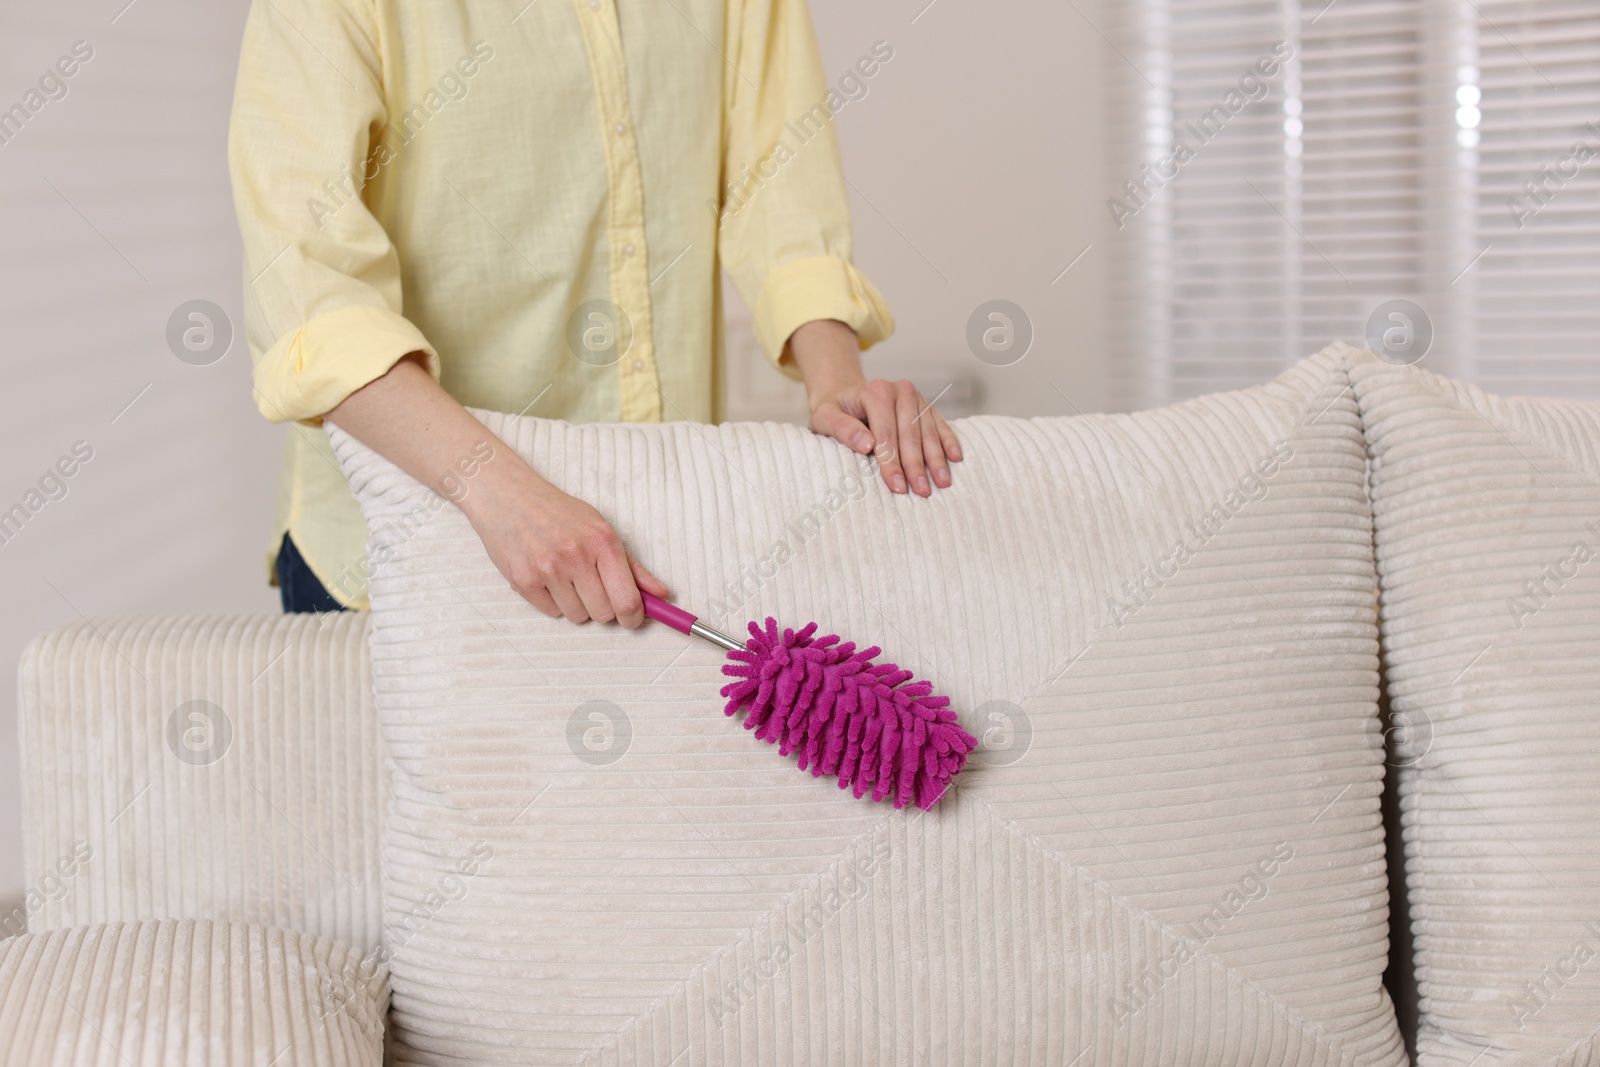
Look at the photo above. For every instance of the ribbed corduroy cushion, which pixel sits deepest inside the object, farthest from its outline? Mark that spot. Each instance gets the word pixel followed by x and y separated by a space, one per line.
pixel 202 766
pixel 1488 532
pixel 173 993
pixel 1169 853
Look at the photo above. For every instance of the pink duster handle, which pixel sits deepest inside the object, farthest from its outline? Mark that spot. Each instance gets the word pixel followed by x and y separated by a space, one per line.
pixel 674 616
pixel 681 621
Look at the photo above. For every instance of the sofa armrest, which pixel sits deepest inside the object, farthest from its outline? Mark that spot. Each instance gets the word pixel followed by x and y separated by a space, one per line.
pixel 189 992
pixel 212 767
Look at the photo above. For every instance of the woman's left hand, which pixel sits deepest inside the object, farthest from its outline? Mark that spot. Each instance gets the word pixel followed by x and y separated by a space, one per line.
pixel 892 420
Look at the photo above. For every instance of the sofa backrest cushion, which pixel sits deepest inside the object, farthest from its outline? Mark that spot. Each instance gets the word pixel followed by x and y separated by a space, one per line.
pixel 1487 515
pixel 1169 848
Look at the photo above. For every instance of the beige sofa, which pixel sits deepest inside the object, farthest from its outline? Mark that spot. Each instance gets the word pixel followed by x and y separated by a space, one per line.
pixel 280 852
pixel 224 862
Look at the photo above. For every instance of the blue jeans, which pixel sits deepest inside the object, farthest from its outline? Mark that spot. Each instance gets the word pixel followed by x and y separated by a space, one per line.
pixel 298 587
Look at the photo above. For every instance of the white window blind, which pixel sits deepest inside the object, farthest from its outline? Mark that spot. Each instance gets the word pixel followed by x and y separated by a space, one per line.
pixel 1286 169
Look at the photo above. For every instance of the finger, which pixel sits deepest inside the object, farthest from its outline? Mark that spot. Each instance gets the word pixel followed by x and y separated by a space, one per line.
pixel 908 405
pixel 933 450
pixel 878 398
pixel 568 600
pixel 947 436
pixel 647 581
pixel 833 421
pixel 540 598
pixel 530 585
pixel 592 591
pixel 627 607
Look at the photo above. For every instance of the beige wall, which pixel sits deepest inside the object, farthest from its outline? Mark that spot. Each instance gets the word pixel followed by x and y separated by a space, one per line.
pixel 976 165
pixel 974 157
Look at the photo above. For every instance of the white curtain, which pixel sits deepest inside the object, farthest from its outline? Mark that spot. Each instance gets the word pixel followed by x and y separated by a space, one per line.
pixel 1289 173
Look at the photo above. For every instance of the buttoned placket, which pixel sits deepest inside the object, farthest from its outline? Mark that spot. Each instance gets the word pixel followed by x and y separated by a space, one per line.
pixel 630 271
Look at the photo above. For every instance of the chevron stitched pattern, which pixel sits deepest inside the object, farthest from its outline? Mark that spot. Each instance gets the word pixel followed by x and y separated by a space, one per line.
pixel 1169 851
pixel 272 814
pixel 185 994
pixel 1487 516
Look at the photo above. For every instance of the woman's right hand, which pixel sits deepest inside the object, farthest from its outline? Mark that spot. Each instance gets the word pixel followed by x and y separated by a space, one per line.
pixel 557 551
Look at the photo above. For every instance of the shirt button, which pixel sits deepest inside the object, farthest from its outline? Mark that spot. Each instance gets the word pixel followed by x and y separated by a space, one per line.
pixel 594 5
pixel 627 249
pixel 638 364
pixel 619 127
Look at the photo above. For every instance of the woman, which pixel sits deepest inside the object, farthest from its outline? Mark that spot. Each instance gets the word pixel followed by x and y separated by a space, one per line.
pixel 524 208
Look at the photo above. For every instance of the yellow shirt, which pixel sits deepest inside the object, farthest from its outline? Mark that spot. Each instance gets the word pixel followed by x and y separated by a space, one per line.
pixel 539 198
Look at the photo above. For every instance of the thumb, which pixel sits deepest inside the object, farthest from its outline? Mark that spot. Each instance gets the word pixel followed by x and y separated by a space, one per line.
pixel 647 581
pixel 831 420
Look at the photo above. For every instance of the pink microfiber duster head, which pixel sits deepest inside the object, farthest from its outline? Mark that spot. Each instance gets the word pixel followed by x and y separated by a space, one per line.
pixel 842 713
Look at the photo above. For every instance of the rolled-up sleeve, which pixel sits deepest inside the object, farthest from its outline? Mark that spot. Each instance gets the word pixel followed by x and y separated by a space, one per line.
pixel 323 302
pixel 784 230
